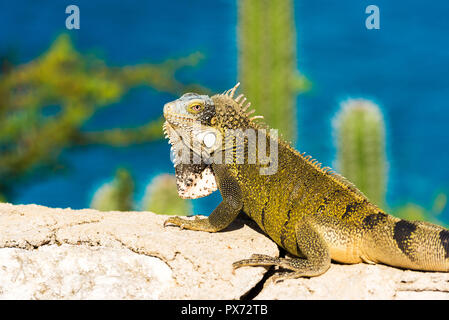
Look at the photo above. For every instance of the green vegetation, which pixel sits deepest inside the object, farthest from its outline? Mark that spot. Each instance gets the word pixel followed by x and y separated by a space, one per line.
pixel 360 140
pixel 161 196
pixel 116 195
pixel 44 104
pixel 412 211
pixel 267 61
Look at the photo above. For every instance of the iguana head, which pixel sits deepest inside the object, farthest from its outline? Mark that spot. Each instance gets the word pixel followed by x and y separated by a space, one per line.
pixel 189 125
pixel 196 123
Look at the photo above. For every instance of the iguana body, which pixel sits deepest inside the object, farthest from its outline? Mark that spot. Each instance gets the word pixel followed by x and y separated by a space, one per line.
pixel 309 211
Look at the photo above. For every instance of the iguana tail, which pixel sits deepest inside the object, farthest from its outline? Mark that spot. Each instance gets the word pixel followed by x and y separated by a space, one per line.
pixel 414 245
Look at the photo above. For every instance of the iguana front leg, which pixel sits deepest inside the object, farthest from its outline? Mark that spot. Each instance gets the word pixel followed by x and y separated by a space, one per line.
pixel 311 245
pixel 223 214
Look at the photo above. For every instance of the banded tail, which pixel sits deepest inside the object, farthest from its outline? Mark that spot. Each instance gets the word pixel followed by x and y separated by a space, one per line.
pixel 414 245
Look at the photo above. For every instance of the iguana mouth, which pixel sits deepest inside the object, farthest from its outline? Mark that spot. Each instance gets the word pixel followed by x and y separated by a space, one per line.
pixel 174 139
pixel 180 147
pixel 170 133
pixel 173 123
pixel 176 119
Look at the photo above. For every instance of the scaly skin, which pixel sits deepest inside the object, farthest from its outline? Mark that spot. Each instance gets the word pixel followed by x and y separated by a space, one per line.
pixel 311 212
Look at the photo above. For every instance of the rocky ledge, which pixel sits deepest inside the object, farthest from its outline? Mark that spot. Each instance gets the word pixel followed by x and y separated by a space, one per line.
pixel 50 253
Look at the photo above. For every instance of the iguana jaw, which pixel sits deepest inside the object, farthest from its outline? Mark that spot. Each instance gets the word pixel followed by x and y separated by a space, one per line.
pixel 193 180
pixel 175 119
pixel 175 141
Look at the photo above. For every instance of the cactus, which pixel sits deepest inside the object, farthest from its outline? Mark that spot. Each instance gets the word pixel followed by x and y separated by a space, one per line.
pixel 267 61
pixel 115 195
pixel 162 197
pixel 360 139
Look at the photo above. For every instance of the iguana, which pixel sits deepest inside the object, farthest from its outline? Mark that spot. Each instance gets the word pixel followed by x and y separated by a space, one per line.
pixel 315 214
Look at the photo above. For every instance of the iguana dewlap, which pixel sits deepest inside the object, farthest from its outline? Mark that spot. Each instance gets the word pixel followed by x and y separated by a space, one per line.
pixel 309 211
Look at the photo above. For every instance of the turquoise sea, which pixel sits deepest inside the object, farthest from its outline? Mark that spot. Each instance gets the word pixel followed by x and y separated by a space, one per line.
pixel 403 67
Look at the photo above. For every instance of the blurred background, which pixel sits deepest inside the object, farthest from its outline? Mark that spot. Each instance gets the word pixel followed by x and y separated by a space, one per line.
pixel 80 122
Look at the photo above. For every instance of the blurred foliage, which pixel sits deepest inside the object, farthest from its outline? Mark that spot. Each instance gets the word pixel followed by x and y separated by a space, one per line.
pixel 412 211
pixel 161 196
pixel 360 139
pixel 44 104
pixel 267 61
pixel 116 195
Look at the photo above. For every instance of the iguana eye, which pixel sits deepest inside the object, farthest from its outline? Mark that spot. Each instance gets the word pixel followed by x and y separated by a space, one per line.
pixel 195 107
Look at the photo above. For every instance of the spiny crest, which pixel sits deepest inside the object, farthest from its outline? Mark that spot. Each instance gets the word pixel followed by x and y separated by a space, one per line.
pixel 312 162
pixel 330 172
pixel 241 100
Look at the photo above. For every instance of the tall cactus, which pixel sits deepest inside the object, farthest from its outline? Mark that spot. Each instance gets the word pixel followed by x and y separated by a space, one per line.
pixel 360 140
pixel 115 195
pixel 267 61
pixel 162 197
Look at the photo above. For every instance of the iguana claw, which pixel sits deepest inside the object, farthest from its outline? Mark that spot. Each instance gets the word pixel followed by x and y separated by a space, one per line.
pixel 174 221
pixel 183 223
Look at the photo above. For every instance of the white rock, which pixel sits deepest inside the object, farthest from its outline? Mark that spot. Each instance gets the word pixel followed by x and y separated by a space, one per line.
pixel 81 272
pixel 86 254
pixel 120 255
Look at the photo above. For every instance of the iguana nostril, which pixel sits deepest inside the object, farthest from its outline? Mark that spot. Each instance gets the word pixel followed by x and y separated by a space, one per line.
pixel 167 107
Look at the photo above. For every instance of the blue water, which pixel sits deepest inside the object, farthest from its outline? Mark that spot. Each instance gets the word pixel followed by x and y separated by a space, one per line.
pixel 404 67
